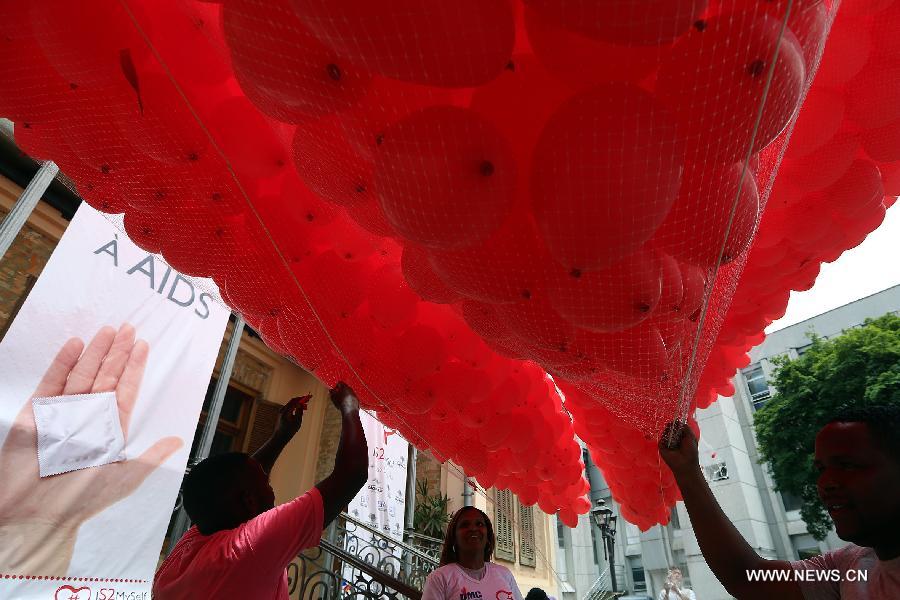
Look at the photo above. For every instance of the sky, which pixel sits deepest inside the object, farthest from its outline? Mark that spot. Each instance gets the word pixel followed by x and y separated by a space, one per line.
pixel 870 267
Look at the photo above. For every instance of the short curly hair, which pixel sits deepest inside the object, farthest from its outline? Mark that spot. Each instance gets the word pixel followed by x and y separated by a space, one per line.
pixel 882 420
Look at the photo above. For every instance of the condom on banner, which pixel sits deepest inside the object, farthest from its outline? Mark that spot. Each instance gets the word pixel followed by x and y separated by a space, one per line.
pixel 77 432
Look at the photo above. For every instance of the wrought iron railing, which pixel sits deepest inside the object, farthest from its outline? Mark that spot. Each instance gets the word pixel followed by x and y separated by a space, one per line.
pixel 425 544
pixel 357 561
pixel 602 588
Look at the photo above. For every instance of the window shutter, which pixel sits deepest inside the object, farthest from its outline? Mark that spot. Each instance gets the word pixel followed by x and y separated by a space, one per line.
pixel 265 419
pixel 526 536
pixel 503 525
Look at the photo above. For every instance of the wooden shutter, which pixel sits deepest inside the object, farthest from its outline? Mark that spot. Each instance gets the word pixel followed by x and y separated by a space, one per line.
pixel 503 525
pixel 526 536
pixel 265 419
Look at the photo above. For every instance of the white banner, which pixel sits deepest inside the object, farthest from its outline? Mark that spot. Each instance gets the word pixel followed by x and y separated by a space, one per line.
pixel 381 503
pixel 104 316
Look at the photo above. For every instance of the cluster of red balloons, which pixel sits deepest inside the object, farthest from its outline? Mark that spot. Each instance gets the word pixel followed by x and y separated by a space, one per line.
pixel 424 200
pixel 836 179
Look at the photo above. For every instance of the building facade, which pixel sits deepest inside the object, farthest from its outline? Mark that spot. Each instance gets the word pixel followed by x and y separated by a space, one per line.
pixel 770 521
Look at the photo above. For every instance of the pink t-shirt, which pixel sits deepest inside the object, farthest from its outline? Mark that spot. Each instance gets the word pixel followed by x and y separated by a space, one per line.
pixel 850 573
pixel 246 562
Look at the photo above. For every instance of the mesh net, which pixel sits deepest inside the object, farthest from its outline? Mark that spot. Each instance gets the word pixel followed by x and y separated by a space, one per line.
pixel 441 203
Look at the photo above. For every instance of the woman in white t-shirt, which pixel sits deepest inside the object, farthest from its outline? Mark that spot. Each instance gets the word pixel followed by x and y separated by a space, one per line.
pixel 466 571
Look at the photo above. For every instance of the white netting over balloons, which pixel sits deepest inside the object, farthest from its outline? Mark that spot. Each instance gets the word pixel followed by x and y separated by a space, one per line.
pixel 442 202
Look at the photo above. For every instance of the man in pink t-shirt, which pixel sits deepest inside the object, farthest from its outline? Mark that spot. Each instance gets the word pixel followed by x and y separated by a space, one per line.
pixel 857 455
pixel 242 543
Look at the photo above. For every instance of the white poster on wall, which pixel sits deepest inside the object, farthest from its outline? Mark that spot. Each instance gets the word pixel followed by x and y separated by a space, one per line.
pixel 103 372
pixel 381 503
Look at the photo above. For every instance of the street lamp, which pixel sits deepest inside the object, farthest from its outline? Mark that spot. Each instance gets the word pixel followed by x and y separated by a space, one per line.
pixel 605 520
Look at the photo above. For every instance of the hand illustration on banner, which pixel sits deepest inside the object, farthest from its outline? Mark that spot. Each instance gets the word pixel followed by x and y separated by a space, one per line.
pixel 40 517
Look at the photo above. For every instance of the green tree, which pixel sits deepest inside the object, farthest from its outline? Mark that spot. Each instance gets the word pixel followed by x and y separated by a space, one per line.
pixel 860 367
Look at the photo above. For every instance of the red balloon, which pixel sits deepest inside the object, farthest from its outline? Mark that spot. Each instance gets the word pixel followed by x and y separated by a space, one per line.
pixel 43 141
pixel 86 46
pixel 715 87
pixel 537 96
pixel 283 67
pixel 144 230
pixel 632 22
pixel 162 125
pixel 859 190
pixel 847 51
pixel 824 166
pixel 484 320
pixel 597 198
pixel 714 217
pixel 463 44
pixel 391 301
pixel 873 97
pixel 386 102
pixel 369 216
pixel 672 286
pixel 495 433
pixel 38 95
pixel 612 299
pixel 210 235
pixel 819 120
pixel 535 321
pixel 422 279
pixel 507 267
pixel 445 178
pixel 349 280
pixel 97 141
pixel 580 61
pixel 329 166
pixel 247 140
pixel 637 352
pixel 890 177
pixel 882 144
pixel 421 350
pixel 189 40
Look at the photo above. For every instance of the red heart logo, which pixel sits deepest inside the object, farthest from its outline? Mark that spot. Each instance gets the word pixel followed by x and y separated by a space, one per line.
pixel 67 592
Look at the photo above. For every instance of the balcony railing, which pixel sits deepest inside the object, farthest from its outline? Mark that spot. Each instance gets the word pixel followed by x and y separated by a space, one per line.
pixel 355 560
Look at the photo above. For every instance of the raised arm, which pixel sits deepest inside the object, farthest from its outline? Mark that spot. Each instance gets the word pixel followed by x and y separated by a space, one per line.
pixel 351 463
pixel 289 420
pixel 726 552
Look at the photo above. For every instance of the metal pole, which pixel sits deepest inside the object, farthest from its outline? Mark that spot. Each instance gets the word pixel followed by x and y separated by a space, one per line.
pixel 215 406
pixel 467 491
pixel 611 543
pixel 410 514
pixel 182 522
pixel 23 207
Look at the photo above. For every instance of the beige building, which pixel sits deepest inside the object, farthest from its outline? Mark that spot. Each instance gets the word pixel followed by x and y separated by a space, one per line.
pixel 263 380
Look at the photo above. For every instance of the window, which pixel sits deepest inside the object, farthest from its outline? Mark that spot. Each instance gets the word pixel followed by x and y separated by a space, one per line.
pixel 503 525
pixel 681 563
pixel 637 574
pixel 791 501
pixel 717 471
pixel 230 429
pixel 805 546
pixel 676 522
pixel 526 536
pixel 802 350
pixel 757 385
pixel 561 562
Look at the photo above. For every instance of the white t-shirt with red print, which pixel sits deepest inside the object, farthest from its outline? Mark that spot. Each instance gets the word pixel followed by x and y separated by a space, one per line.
pixel 451 582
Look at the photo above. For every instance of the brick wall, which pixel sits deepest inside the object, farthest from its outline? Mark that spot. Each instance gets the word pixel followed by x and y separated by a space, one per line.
pixel 25 258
